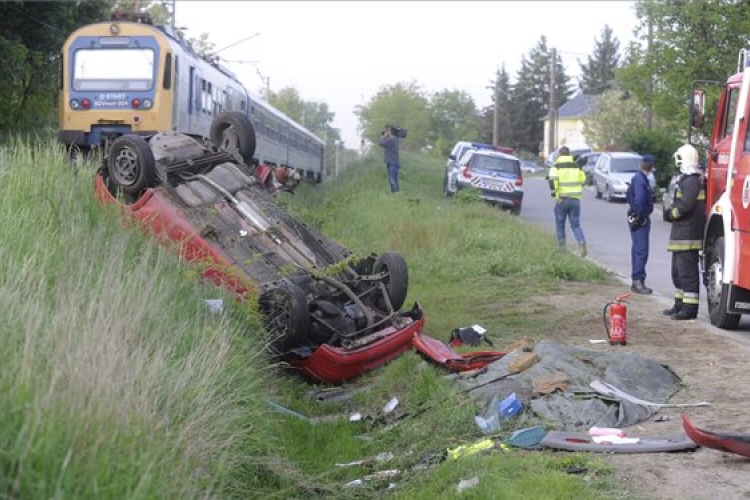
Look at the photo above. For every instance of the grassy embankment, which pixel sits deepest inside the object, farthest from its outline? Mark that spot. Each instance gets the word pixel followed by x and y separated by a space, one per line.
pixel 117 382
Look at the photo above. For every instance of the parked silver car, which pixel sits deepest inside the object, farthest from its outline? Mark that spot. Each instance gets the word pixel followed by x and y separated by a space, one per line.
pixel 613 172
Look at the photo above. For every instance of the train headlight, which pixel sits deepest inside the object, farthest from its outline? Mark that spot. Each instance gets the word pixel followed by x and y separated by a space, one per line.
pixel 85 103
pixel 147 104
pixel 74 104
pixel 114 29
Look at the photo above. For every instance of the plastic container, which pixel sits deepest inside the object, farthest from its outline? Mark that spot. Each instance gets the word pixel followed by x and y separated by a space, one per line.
pixel 509 407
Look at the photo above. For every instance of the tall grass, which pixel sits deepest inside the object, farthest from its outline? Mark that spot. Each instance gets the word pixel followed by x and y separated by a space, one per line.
pixel 116 381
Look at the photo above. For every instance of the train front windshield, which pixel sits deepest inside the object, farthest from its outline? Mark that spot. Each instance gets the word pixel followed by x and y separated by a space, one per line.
pixel 113 69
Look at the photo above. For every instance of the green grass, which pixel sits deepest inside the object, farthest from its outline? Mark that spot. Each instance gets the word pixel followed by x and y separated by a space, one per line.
pixel 117 382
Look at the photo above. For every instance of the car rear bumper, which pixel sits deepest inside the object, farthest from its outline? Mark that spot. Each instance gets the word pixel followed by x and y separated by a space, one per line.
pixel 508 199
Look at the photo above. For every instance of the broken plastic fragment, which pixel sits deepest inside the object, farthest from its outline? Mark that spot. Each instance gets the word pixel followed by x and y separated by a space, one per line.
pixel 465 484
pixel 355 417
pixel 392 404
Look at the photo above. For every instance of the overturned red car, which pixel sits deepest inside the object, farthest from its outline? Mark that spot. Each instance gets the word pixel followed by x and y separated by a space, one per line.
pixel 329 313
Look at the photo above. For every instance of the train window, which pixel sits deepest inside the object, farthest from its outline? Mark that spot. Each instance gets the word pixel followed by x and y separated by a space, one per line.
pixel 167 72
pixel 113 69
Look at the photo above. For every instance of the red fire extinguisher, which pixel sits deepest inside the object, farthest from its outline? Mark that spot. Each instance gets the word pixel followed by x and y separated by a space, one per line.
pixel 616 324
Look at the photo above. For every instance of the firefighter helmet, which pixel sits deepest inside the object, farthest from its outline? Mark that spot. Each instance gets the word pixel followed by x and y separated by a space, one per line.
pixel 686 157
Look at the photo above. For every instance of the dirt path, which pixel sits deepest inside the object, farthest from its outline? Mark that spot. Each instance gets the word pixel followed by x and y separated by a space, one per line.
pixel 713 367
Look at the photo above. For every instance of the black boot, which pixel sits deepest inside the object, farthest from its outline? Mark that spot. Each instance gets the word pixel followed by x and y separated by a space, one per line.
pixel 639 287
pixel 674 309
pixel 688 311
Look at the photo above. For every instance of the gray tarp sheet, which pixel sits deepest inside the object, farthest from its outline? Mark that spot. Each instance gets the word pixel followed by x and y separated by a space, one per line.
pixel 580 407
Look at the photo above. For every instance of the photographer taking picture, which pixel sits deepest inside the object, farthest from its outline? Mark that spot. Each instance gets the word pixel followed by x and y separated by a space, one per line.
pixel 390 144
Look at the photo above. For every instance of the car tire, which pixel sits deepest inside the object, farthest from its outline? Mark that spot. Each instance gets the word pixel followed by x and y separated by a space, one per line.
pixel 397 281
pixel 232 131
pixel 598 193
pixel 285 315
pixel 516 210
pixel 131 165
pixel 717 292
pixel 447 192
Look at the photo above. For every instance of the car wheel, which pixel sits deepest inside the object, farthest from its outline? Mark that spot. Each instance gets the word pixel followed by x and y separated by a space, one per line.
pixel 717 291
pixel 285 315
pixel 397 280
pixel 446 191
pixel 131 165
pixel 232 131
pixel 516 210
pixel 596 190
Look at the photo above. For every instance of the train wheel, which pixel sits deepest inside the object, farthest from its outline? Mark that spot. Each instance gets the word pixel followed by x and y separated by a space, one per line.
pixel 131 165
pixel 285 315
pixel 233 131
pixel 397 281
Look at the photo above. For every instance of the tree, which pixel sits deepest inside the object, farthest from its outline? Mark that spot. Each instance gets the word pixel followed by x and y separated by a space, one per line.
pixel 690 41
pixel 454 118
pixel 598 74
pixel 501 99
pixel 31 34
pixel 615 117
pixel 530 96
pixel 404 105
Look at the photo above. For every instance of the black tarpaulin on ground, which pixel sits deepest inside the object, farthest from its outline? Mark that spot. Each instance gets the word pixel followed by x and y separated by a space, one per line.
pixel 579 406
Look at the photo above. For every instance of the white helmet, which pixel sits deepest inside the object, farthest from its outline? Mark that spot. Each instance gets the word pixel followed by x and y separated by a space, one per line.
pixel 686 157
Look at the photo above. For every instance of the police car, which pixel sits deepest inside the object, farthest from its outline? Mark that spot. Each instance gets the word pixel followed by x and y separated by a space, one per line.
pixel 495 176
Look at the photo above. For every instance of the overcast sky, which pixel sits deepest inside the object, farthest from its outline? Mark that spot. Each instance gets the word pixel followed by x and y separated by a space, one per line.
pixel 342 53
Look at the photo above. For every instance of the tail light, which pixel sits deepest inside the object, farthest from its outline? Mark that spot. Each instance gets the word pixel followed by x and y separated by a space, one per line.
pixel 519 180
pixel 467 172
pixel 136 103
pixel 85 103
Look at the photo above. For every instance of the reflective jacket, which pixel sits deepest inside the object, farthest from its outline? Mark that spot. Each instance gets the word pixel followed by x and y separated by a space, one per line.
pixel 688 214
pixel 566 178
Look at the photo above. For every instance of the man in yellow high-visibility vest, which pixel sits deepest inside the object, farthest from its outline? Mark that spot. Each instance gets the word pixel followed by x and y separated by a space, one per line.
pixel 566 179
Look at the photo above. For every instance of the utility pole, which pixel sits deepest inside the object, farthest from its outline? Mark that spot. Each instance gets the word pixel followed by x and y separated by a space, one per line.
pixel 552 102
pixel 650 84
pixel 496 121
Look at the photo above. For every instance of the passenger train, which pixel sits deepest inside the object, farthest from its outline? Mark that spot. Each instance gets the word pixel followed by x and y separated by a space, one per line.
pixel 128 76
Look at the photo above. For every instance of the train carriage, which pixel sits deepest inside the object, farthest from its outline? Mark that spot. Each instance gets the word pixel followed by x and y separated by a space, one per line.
pixel 128 76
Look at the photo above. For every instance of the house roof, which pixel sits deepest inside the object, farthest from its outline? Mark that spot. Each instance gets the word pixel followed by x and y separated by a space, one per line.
pixel 579 106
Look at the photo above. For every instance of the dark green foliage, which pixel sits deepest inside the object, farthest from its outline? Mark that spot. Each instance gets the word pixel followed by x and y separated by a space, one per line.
pixel 31 37
pixel 690 41
pixel 660 143
pixel 598 74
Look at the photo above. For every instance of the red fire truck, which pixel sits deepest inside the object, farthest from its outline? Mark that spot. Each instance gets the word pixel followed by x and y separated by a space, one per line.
pixel 726 243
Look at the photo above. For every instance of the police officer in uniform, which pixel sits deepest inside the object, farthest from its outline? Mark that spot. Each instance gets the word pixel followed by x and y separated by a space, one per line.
pixel 640 198
pixel 688 216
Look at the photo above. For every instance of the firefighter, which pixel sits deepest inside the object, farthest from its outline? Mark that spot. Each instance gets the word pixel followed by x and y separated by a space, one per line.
pixel 566 180
pixel 688 216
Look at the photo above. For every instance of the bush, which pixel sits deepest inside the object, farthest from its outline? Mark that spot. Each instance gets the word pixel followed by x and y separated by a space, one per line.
pixel 660 143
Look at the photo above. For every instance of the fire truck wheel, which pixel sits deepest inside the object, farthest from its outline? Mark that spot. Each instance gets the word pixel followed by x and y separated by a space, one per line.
pixel 131 165
pixel 397 281
pixel 232 131
pixel 717 291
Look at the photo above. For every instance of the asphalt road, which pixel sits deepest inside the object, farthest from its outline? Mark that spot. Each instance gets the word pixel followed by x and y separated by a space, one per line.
pixel 608 240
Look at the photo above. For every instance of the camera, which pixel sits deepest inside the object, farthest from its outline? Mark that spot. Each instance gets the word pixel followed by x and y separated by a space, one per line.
pixel 396 131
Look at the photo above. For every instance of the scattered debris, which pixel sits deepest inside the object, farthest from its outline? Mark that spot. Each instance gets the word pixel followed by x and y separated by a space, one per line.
pixel 612 391
pixel 214 305
pixel 732 442
pixel 529 437
pixel 473 335
pixel 337 394
pixel 392 404
pixel 287 411
pixel 548 384
pixel 470 449
pixel 379 458
pixel 571 441
pixel 465 484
